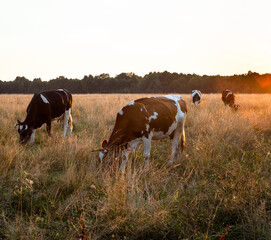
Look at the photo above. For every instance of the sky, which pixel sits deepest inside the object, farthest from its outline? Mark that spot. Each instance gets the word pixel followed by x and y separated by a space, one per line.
pixel 73 38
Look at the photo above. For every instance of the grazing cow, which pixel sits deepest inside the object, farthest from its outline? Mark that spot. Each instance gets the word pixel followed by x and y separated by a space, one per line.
pixel 196 96
pixel 228 99
pixel 145 119
pixel 45 107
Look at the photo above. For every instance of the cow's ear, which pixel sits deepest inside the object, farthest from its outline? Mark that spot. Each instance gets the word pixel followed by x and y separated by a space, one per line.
pixel 104 143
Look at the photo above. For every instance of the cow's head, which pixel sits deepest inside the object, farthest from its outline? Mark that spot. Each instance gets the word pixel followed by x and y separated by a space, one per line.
pixel 196 96
pixel 235 106
pixel 102 151
pixel 24 131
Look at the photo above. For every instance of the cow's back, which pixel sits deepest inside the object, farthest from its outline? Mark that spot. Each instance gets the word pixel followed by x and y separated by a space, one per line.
pixel 161 113
pixel 225 92
pixel 228 96
pixel 59 101
pixel 49 104
pixel 145 115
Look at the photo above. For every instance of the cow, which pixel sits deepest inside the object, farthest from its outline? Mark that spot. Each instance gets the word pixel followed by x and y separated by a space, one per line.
pixel 45 107
pixel 143 120
pixel 196 96
pixel 228 98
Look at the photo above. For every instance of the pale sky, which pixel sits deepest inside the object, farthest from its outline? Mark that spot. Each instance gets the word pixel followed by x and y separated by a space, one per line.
pixel 72 38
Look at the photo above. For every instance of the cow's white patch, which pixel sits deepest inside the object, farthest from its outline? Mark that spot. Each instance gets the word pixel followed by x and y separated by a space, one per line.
pixel 60 89
pixel 21 127
pixel 229 93
pixel 154 116
pixel 26 127
pixel 141 109
pixel 131 103
pixel 180 115
pixel 173 97
pixel 194 92
pixel 147 127
pixel 120 112
pixel 44 99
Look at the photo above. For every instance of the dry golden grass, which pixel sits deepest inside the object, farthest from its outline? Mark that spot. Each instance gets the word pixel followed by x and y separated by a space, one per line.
pixel 50 189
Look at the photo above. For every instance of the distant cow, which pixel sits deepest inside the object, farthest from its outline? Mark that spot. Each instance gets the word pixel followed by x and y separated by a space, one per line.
pixel 45 107
pixel 145 119
pixel 196 96
pixel 228 98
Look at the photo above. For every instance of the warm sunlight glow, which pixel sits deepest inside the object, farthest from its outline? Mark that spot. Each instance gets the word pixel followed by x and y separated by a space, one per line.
pixel 264 81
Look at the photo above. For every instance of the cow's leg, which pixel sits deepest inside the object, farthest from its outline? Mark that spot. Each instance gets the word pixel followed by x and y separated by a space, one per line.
pixel 178 143
pixel 70 127
pixel 134 145
pixel 147 149
pixel 32 140
pixel 48 128
pixel 182 140
pixel 124 160
pixel 66 118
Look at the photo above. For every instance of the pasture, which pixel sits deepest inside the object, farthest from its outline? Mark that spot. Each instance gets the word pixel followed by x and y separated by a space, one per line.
pixel 220 186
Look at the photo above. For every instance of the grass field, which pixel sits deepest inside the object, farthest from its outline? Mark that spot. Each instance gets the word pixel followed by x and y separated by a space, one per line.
pixel 220 188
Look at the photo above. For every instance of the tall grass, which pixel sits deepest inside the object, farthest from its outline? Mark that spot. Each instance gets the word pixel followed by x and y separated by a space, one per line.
pixel 220 186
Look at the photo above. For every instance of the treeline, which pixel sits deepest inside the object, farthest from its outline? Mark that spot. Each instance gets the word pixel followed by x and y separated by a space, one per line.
pixel 154 82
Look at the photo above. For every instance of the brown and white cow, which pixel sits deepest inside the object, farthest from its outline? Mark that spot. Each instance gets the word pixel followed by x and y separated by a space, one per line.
pixel 228 98
pixel 147 119
pixel 44 108
pixel 196 96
